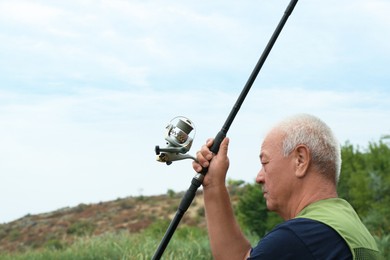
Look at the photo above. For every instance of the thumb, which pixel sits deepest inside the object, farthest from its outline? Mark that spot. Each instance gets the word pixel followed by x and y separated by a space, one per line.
pixel 223 148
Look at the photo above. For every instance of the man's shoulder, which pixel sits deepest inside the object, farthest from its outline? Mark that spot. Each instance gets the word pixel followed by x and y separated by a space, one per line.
pixel 340 215
pixel 301 225
pixel 300 239
pixel 280 243
pixel 304 230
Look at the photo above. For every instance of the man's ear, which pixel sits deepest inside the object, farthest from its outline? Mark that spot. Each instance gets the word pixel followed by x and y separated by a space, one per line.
pixel 302 160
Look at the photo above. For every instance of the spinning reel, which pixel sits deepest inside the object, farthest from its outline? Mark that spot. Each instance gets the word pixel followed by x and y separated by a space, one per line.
pixel 178 139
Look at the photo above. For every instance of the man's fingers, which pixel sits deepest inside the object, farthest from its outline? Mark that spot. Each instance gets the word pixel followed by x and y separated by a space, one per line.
pixel 202 157
pixel 210 142
pixel 196 166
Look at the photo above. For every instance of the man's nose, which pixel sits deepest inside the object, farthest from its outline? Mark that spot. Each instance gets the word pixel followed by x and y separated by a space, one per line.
pixel 260 176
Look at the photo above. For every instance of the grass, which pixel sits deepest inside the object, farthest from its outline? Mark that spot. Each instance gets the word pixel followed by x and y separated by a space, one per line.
pixel 186 243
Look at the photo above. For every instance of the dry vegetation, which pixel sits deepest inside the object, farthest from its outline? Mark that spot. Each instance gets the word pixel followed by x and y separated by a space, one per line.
pixel 60 228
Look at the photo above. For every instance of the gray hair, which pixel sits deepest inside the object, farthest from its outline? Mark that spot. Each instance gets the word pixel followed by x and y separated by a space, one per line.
pixel 318 137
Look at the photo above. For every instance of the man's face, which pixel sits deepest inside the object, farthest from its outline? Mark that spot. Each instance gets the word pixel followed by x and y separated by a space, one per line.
pixel 276 174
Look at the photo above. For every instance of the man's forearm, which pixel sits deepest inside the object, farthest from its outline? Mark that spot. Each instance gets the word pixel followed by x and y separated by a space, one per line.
pixel 226 238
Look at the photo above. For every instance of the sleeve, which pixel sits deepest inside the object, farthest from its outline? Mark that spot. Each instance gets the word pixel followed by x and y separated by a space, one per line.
pixel 281 243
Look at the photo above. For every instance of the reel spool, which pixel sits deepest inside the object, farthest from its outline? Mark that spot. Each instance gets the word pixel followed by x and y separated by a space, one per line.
pixel 179 141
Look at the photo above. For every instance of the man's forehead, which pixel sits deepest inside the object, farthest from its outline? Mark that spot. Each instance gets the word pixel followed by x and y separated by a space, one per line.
pixel 271 138
pixel 271 141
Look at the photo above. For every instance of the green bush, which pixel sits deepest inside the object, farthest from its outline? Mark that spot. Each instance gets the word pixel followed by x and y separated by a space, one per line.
pixel 54 244
pixel 81 228
pixel 171 193
pixel 251 210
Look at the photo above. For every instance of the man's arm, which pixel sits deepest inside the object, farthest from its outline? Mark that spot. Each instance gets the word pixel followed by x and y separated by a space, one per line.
pixel 226 238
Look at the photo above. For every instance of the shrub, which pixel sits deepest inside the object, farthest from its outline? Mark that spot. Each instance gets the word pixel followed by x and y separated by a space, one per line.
pixel 81 228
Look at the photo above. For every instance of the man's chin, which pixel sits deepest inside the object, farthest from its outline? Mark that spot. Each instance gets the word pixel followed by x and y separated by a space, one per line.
pixel 269 205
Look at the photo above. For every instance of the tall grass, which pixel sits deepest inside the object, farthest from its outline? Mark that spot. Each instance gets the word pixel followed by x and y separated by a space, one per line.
pixel 187 243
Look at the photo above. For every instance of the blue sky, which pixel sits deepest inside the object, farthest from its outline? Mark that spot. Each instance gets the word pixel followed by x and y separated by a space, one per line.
pixel 87 88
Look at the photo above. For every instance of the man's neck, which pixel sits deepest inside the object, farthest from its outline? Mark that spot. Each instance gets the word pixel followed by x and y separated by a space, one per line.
pixel 310 191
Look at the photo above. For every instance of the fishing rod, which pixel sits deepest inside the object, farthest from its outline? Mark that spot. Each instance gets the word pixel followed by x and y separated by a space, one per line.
pixel 179 138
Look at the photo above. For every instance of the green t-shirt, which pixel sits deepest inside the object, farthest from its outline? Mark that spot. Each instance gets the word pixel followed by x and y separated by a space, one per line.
pixel 339 215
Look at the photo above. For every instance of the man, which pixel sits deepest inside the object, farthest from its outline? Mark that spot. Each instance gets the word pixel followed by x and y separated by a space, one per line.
pixel 301 164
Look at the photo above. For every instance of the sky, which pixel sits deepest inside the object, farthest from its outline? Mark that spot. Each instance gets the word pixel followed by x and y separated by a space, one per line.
pixel 88 87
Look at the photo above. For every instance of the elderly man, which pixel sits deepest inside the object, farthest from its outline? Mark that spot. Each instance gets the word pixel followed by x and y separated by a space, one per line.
pixel 301 163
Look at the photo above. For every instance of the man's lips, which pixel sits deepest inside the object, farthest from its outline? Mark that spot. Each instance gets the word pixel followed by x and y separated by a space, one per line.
pixel 264 191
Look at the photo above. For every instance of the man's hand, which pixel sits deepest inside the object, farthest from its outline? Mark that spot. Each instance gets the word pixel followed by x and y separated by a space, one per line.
pixel 217 164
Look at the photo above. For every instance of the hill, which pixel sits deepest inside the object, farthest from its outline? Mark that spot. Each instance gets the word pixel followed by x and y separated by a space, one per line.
pixel 63 226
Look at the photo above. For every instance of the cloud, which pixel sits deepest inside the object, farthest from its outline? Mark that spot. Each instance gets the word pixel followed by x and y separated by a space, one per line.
pixel 27 13
pixel 88 87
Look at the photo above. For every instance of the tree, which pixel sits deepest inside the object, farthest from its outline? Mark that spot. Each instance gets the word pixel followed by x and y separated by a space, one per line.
pixel 251 210
pixel 234 185
pixel 365 183
pixel 378 161
pixel 354 184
